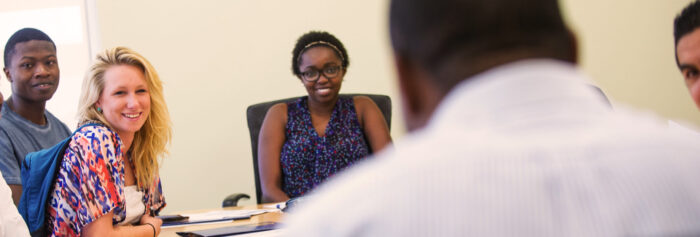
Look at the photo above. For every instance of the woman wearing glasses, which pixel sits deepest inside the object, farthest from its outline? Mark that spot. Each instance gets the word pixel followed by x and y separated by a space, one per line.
pixel 306 141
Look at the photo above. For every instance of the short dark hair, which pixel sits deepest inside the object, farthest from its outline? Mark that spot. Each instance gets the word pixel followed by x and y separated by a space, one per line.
pixel 685 23
pixel 455 39
pixel 318 36
pixel 21 36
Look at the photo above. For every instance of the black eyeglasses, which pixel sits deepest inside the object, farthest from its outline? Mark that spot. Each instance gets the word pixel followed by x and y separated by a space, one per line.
pixel 329 72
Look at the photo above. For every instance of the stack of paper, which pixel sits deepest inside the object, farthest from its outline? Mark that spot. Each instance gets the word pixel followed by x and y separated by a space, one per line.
pixel 218 216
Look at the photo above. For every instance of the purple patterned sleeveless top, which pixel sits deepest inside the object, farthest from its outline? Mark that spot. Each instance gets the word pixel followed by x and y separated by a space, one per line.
pixel 307 159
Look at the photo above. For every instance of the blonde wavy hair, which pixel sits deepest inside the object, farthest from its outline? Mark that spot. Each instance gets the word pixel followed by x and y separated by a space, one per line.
pixel 150 141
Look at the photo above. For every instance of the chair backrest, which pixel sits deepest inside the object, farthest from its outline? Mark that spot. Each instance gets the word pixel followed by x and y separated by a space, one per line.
pixel 256 114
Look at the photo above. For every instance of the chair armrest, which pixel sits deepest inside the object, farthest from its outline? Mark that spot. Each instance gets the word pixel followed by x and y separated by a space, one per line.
pixel 232 200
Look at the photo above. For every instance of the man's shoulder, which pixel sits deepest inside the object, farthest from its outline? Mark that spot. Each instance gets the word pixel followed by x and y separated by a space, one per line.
pixel 59 125
pixel 10 126
pixel 9 117
pixel 637 127
pixel 428 179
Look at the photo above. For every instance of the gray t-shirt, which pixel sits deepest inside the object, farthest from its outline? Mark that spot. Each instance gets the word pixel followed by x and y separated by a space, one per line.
pixel 19 136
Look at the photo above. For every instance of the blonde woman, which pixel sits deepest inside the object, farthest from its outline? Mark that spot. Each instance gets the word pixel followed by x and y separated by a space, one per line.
pixel 108 183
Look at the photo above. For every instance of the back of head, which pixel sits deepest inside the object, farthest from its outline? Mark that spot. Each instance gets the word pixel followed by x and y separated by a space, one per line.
pixel 21 36
pixel 455 39
pixel 686 22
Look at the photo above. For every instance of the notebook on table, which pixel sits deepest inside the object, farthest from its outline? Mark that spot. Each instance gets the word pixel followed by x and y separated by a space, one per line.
pixel 212 216
pixel 230 230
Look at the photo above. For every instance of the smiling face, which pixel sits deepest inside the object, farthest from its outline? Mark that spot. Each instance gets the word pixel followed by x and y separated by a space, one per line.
pixel 323 90
pixel 33 71
pixel 125 100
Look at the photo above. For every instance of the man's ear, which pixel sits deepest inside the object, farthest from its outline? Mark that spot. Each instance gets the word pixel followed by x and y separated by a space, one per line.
pixel 7 74
pixel 417 92
pixel 573 46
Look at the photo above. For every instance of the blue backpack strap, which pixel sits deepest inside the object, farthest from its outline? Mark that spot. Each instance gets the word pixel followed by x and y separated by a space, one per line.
pixel 39 173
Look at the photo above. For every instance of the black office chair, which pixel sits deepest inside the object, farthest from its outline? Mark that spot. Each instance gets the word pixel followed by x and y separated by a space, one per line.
pixel 256 114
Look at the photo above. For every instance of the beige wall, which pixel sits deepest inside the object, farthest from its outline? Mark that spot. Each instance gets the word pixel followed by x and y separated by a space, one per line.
pixel 627 47
pixel 217 57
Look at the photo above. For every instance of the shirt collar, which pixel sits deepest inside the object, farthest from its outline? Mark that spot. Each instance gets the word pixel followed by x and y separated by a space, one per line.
pixel 520 90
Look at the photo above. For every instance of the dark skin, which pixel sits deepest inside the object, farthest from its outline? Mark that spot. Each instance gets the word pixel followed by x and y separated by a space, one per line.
pixel 323 95
pixel 34 75
pixel 421 95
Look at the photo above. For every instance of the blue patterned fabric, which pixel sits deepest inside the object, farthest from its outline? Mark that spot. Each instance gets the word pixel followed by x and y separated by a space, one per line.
pixel 308 159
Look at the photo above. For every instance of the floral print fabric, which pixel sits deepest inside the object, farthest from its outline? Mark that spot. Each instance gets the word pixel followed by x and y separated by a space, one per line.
pixel 307 159
pixel 90 183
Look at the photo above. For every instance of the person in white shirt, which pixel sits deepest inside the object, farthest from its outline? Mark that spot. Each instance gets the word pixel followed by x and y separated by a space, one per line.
pixel 11 223
pixel 507 139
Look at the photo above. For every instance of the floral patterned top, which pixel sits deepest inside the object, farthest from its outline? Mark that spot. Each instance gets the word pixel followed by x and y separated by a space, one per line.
pixel 90 183
pixel 307 159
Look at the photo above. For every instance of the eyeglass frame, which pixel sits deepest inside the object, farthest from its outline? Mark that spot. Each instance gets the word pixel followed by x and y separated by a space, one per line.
pixel 321 71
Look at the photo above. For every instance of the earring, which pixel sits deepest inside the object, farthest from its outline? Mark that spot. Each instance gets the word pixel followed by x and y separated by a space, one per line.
pixel 99 110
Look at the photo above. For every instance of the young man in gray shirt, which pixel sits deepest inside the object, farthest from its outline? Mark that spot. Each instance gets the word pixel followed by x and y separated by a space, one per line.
pixel 31 66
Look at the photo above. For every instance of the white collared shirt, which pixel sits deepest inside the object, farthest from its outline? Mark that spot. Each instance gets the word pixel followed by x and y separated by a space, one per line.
pixel 525 149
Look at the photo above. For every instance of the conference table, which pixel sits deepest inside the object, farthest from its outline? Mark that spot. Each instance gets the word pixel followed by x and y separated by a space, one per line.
pixel 256 219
